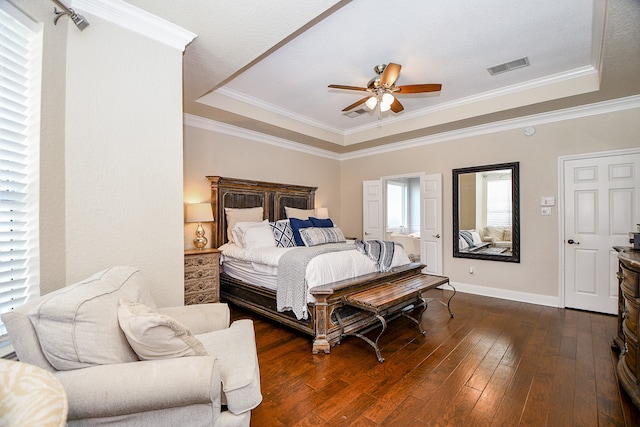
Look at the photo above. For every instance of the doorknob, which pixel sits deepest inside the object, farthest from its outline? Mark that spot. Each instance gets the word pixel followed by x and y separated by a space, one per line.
pixel 572 242
pixel 366 233
pixel 437 236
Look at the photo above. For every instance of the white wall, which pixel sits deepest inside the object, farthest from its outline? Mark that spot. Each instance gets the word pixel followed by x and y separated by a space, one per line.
pixel 124 157
pixel 112 154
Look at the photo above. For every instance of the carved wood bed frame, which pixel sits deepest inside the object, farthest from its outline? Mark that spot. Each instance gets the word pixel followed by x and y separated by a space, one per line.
pixel 322 323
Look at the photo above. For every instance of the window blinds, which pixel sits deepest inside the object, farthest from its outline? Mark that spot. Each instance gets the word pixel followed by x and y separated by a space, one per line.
pixel 20 80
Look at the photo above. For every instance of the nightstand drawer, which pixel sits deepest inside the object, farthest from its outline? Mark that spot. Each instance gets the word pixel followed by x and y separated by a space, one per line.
pixel 200 273
pixel 200 260
pixel 201 276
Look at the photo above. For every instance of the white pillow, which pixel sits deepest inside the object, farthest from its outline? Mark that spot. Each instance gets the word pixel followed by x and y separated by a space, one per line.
pixel 240 228
pixel 77 325
pixel 299 213
pixel 255 235
pixel 241 214
pixel 156 336
pixel 477 240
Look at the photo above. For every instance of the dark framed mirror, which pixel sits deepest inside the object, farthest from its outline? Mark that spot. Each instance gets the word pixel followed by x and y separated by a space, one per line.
pixel 486 212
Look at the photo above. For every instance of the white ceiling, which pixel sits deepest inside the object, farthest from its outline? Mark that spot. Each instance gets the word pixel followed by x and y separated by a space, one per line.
pixel 266 65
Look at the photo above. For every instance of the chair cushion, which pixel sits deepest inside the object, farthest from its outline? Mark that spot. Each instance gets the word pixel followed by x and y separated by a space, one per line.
pixel 156 336
pixel 77 325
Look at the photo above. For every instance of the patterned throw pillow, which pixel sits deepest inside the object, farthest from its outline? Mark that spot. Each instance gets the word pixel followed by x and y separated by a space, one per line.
pixel 283 233
pixel 314 236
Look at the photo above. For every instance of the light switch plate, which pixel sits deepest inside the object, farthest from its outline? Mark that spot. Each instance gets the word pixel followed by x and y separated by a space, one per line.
pixel 545 211
pixel 547 201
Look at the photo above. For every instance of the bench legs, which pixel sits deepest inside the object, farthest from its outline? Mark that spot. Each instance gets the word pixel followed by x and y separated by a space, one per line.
pixel 421 303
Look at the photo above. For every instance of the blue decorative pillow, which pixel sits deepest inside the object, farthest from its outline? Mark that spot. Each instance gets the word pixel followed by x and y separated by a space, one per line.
pixel 296 225
pixel 321 222
pixel 283 233
pixel 314 236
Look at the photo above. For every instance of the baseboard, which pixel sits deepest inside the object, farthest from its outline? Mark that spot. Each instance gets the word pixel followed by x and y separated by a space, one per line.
pixel 551 301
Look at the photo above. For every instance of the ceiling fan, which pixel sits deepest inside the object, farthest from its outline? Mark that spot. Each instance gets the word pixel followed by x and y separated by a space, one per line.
pixel 383 89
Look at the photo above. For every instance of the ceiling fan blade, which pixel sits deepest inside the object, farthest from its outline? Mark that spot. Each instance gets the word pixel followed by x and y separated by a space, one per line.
pixel 355 104
pixel 396 106
pixel 390 75
pixel 433 87
pixel 348 87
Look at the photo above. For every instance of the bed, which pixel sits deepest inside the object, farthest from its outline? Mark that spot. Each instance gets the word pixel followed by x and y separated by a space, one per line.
pixel 240 286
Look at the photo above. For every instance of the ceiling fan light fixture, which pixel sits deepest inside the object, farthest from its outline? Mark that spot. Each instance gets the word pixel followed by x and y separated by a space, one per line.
pixel 384 107
pixel 371 102
pixel 387 98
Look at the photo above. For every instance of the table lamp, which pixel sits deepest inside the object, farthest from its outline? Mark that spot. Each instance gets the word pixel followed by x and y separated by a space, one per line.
pixel 199 212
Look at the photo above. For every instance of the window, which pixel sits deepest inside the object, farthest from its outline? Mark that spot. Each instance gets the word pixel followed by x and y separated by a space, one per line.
pixel 396 205
pixel 499 200
pixel 20 79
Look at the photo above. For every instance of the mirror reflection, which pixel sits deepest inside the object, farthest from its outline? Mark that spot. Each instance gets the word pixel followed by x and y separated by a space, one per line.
pixel 486 212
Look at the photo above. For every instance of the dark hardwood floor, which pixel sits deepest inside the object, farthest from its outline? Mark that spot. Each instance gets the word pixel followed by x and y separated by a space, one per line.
pixel 496 363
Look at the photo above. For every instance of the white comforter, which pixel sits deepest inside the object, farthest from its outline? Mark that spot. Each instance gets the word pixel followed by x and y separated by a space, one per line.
pixel 323 269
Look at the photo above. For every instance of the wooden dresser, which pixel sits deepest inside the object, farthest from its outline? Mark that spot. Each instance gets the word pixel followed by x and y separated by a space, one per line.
pixel 628 336
pixel 201 276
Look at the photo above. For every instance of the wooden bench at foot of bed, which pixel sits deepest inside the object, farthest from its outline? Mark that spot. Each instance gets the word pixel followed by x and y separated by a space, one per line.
pixel 387 300
pixel 323 323
pixel 374 298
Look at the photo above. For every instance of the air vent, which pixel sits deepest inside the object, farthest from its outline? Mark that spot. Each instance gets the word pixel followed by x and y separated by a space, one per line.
pixel 356 113
pixel 509 66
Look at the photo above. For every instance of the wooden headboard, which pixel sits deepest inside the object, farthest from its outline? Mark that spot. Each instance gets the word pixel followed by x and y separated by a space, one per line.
pixel 243 193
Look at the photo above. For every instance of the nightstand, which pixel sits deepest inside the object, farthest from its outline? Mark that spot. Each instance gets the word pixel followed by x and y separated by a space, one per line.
pixel 201 276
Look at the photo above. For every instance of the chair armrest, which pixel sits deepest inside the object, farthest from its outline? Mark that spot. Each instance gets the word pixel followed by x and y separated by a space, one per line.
pixel 237 356
pixel 200 318
pixel 126 388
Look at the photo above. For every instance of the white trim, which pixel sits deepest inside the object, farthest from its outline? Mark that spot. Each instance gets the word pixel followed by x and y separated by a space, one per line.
pixel 533 120
pixel 547 300
pixel 135 19
pixel 464 102
pixel 244 98
pixel 215 126
pixel 587 110
pixel 561 207
pixel 483 97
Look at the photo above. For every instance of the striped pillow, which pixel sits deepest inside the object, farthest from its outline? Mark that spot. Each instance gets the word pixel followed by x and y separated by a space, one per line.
pixel 313 236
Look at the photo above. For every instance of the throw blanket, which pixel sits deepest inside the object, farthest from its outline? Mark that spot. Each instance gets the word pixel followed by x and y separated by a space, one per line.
pixel 379 251
pixel 291 293
pixel 467 237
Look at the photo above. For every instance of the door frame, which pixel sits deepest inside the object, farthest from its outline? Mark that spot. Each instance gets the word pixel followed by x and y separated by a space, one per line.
pixel 561 207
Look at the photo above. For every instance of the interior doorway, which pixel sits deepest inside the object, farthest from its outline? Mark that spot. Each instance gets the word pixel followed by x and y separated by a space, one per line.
pixel 407 209
pixel 600 205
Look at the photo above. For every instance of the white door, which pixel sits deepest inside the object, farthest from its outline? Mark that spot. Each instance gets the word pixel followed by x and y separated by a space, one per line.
pixel 431 223
pixel 602 205
pixel 372 208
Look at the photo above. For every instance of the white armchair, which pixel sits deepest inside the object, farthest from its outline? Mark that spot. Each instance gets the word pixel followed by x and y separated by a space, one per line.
pixel 78 334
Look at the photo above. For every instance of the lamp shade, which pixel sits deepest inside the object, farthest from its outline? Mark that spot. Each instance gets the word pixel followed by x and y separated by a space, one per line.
pixel 322 213
pixel 199 212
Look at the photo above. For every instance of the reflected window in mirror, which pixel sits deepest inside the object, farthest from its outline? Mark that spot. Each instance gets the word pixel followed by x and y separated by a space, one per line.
pixel 486 208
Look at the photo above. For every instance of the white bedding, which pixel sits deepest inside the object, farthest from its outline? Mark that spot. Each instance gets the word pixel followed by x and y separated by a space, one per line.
pixel 323 269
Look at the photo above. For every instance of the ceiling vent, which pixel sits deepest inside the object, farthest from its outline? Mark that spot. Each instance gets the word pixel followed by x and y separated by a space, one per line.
pixel 509 66
pixel 356 113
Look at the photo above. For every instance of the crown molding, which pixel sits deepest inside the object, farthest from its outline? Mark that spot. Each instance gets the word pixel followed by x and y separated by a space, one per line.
pixel 599 108
pixel 233 94
pixel 485 96
pixel 587 110
pixel 125 15
pixel 226 129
